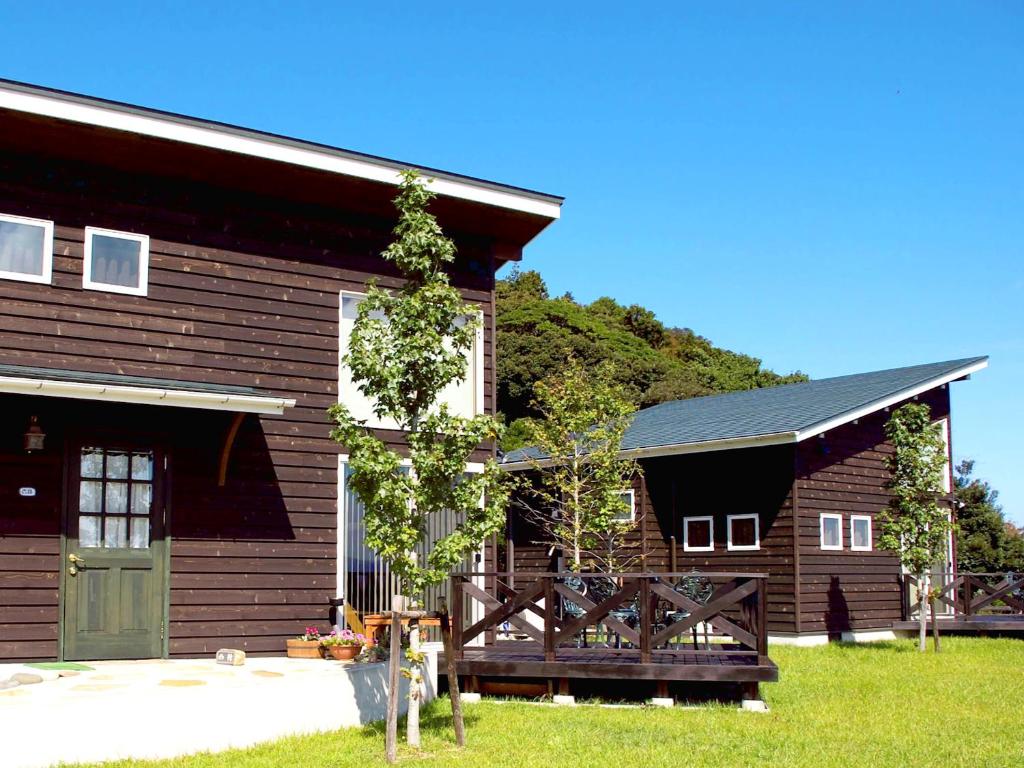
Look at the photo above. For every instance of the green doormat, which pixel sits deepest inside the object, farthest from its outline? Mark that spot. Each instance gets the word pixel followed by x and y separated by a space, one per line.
pixel 58 665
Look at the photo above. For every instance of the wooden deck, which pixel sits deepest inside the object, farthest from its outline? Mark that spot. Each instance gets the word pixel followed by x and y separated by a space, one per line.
pixel 980 602
pixel 660 627
pixel 1013 623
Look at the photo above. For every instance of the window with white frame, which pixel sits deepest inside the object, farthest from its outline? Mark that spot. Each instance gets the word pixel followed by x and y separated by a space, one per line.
pixel 944 431
pixel 698 534
pixel 831 530
pixel 626 512
pixel 117 262
pixel 464 398
pixel 743 532
pixel 860 533
pixel 26 249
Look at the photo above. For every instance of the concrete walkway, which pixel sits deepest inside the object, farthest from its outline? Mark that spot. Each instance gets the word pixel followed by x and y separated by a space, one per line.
pixel 149 709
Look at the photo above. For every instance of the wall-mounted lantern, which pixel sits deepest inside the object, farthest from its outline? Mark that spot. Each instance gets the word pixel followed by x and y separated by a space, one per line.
pixel 34 437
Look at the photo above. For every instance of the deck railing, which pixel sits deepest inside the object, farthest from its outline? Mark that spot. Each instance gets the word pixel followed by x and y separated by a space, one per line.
pixel 641 613
pixel 972 594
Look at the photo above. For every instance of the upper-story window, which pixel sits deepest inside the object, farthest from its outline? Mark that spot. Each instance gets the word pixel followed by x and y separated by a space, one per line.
pixel 626 511
pixel 116 261
pixel 699 534
pixel 464 398
pixel 26 249
pixel 831 530
pixel 743 532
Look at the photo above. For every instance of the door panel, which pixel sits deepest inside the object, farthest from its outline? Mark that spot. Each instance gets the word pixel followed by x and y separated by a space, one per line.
pixel 114 578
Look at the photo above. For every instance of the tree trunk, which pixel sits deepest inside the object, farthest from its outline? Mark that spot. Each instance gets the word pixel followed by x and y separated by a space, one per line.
pixel 394 688
pixel 412 726
pixel 453 677
pixel 922 616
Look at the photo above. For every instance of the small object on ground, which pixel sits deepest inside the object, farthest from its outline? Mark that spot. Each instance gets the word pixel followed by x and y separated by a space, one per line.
pixel 754 705
pixel 231 656
pixel 26 678
pixel 565 701
pixel 8 684
pixel 470 698
pixel 663 701
pixel 60 666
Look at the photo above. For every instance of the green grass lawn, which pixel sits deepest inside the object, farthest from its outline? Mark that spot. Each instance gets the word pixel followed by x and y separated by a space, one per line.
pixel 877 705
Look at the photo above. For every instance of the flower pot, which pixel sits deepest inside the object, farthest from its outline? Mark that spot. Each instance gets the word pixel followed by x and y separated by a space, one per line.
pixel 303 649
pixel 344 652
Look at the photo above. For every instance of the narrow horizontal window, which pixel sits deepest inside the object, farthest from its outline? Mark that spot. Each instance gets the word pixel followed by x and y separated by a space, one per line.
pixel 860 533
pixel 26 249
pixel 743 532
pixel 626 511
pixel 116 261
pixel 831 531
pixel 698 534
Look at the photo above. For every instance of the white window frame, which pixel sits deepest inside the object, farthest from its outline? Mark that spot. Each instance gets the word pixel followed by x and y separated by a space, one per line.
pixel 757 533
pixel 47 274
pixel 947 480
pixel 476 359
pixel 91 285
pixel 821 531
pixel 687 547
pixel 853 540
pixel 632 506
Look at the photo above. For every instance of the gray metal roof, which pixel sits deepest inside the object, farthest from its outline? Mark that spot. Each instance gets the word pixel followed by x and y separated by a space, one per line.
pixel 119 380
pixel 791 409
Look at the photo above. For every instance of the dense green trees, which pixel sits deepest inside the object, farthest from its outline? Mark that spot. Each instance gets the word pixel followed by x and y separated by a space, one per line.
pixel 986 542
pixel 537 334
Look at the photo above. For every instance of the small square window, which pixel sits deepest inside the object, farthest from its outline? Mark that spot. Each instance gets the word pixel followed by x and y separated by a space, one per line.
pixel 116 261
pixel 26 249
pixel 743 532
pixel 831 531
pixel 698 534
pixel 626 513
pixel 860 533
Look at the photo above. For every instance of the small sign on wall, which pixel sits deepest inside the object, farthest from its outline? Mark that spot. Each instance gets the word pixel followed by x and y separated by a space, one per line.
pixel 26 491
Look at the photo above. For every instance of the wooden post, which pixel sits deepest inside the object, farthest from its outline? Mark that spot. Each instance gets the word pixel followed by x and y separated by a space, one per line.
pixel 549 618
pixel 935 624
pixel 762 617
pixel 645 620
pixel 394 664
pixel 453 675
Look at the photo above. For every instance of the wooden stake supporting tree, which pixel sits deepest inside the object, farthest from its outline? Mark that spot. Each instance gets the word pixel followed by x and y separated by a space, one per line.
pixel 406 347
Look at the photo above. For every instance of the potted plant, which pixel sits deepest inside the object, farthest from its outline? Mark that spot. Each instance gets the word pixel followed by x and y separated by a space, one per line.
pixel 305 646
pixel 344 645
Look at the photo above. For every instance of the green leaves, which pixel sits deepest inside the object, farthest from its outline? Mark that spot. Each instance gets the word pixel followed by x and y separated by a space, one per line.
pixel 405 348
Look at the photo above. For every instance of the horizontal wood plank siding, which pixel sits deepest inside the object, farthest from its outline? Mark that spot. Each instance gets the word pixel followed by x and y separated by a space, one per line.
pixel 243 290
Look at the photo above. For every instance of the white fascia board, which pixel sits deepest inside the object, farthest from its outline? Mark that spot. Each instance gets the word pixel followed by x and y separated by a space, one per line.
pixel 239 142
pixel 886 402
pixel 177 398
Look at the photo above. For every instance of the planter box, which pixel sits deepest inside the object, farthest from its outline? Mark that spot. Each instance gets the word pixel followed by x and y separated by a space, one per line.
pixel 343 652
pixel 303 649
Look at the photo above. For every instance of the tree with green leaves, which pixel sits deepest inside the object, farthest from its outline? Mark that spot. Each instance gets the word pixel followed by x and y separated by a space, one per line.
pixel 573 494
pixel 914 525
pixel 406 346
pixel 985 542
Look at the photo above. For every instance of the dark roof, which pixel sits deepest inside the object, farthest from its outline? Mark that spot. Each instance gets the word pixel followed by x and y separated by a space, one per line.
pixel 789 409
pixel 119 380
pixel 229 128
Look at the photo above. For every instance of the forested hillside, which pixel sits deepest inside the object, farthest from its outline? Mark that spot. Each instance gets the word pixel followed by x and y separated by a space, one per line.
pixel 536 333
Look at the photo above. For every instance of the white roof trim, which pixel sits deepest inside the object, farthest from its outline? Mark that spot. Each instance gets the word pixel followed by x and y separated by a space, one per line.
pixel 779 438
pixel 294 152
pixel 178 398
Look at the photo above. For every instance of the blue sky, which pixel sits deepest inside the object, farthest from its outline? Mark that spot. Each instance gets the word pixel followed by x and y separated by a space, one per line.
pixel 832 188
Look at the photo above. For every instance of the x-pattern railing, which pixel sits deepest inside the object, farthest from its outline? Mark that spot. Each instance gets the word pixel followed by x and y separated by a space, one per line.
pixel 645 612
pixel 971 594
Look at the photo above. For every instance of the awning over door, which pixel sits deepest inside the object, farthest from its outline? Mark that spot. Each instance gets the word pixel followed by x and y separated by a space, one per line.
pixel 84 385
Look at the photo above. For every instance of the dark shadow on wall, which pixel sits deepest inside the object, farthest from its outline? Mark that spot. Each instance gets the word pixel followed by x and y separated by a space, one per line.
pixel 837 616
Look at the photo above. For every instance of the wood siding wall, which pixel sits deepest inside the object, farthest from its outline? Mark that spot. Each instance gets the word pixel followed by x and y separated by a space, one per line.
pixel 243 290
pixel 844 473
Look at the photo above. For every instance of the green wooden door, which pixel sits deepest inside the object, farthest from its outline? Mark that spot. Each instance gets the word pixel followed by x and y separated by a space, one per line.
pixel 114 578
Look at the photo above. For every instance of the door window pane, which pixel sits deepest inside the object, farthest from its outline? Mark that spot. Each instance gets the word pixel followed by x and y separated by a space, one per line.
pixel 92 462
pixel 117 499
pixel 140 532
pixel 89 531
pixel 90 497
pixel 142 466
pixel 117 465
pixel 141 494
pixel 115 532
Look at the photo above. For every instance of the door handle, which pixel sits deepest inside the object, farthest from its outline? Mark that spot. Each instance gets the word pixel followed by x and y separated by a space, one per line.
pixel 73 558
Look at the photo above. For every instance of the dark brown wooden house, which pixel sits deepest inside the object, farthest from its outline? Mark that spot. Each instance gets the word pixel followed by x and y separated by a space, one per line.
pixel 174 295
pixel 784 481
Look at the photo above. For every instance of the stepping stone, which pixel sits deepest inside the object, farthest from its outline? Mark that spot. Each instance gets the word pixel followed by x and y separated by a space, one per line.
pixel 69 673
pixel 26 678
pixel 267 673
pixel 8 684
pixel 182 683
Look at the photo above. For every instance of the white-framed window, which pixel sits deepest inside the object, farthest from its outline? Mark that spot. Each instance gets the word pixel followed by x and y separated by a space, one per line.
pixel 831 526
pixel 627 511
pixel 860 533
pixel 117 262
pixel 699 534
pixel 947 481
pixel 26 249
pixel 464 398
pixel 743 532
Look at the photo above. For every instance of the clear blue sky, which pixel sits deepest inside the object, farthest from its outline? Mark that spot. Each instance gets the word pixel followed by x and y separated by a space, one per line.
pixel 833 189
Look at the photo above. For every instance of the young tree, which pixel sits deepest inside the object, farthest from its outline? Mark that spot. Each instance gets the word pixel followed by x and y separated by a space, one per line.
pixel 406 347
pixel 914 526
pixel 575 491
